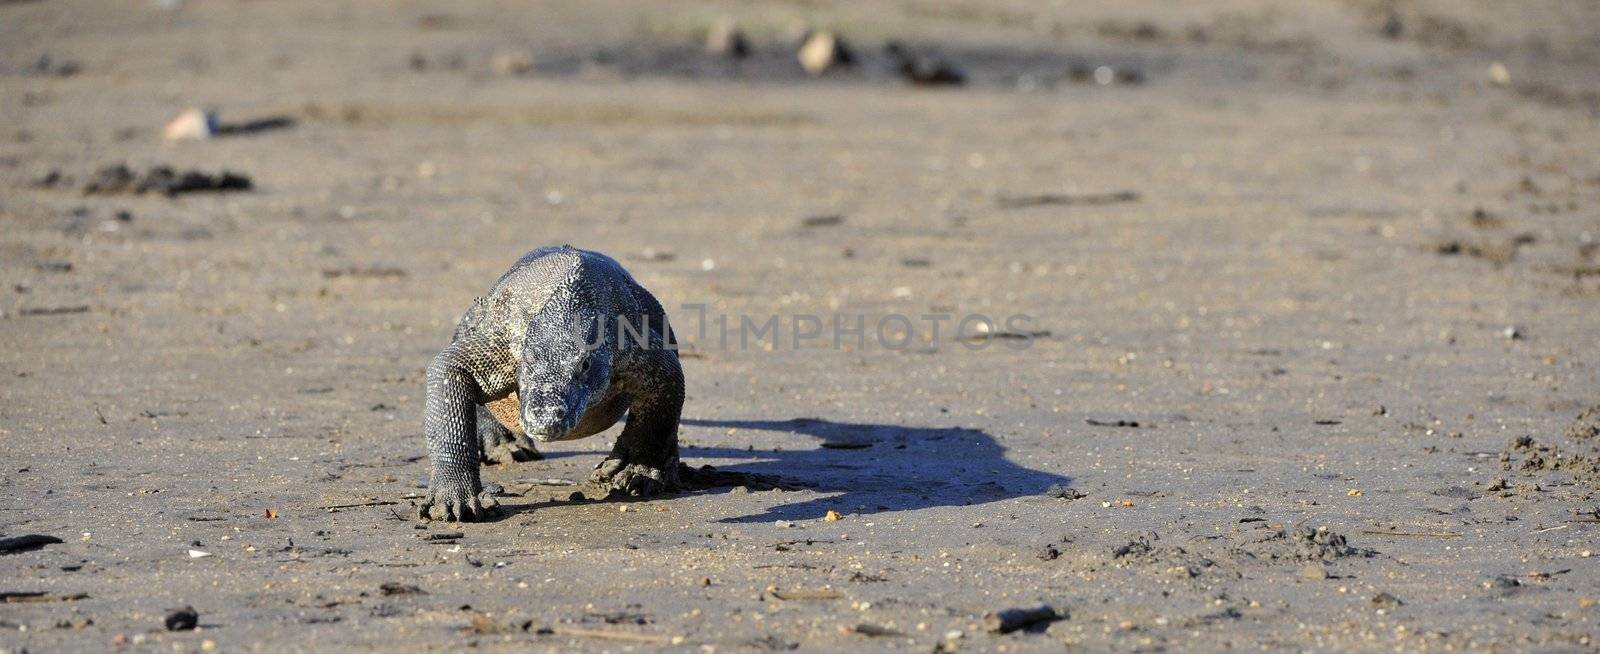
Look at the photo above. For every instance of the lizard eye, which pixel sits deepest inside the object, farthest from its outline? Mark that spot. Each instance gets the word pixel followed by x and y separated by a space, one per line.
pixel 584 366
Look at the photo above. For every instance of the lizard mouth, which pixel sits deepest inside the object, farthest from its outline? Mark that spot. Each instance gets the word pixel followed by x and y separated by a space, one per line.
pixel 550 431
pixel 551 424
pixel 547 435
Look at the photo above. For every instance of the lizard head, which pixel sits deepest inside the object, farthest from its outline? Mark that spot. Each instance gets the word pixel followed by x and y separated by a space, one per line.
pixel 566 365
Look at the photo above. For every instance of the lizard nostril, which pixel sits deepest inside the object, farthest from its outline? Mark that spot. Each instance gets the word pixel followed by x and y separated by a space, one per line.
pixel 546 414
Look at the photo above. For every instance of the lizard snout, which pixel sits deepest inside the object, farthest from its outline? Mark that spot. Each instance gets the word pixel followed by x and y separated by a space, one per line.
pixel 547 423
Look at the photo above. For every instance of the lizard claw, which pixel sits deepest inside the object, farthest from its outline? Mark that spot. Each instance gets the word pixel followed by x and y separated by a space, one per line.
pixel 606 468
pixel 452 502
pixel 512 451
pixel 633 478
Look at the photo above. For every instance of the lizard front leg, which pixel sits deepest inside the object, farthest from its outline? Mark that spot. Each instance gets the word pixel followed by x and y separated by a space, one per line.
pixel 500 444
pixel 644 460
pixel 450 424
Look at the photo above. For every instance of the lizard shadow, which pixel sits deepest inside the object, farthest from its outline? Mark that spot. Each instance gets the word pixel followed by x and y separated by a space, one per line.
pixel 875 468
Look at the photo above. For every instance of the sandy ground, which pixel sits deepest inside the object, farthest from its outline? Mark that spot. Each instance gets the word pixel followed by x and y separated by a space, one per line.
pixel 1348 295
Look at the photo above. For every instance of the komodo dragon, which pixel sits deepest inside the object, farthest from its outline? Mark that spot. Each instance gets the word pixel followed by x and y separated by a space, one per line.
pixel 562 346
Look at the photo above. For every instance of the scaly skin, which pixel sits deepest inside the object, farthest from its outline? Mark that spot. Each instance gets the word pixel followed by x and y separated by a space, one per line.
pixel 522 346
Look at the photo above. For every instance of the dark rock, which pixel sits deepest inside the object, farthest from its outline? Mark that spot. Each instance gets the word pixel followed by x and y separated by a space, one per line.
pixel 1009 620
pixel 162 179
pixel 772 643
pixel 1393 26
pixel 1386 601
pixel 396 588
pixel 924 69
pixel 725 39
pixel 26 543
pixel 44 65
pixel 1586 426
pixel 1503 585
pixel 183 619
pixel 51 179
pixel 1323 544
pixel 110 179
pixel 1137 547
pixel 1064 492
pixel 169 182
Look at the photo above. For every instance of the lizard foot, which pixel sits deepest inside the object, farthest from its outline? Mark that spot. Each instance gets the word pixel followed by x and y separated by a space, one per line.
pixel 456 503
pixel 634 479
pixel 517 449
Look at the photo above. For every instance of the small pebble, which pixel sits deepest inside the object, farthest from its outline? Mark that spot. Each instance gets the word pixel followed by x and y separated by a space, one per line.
pixel 1499 75
pixel 510 63
pixel 1386 601
pixel 724 39
pixel 821 52
pixel 191 125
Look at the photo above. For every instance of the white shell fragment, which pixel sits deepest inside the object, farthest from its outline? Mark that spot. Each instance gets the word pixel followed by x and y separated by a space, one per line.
pixel 191 125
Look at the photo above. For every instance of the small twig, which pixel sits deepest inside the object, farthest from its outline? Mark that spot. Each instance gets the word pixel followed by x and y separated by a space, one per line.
pixel 101 416
pixel 795 566
pixel 1045 199
pixel 54 311
pixel 1006 335
pixel 361 504
pixel 1418 534
pixel 38 596
pixel 1112 423
pixel 1009 620
pixel 789 595
pixel 611 634
pixel 1583 520
pixel 1555 528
